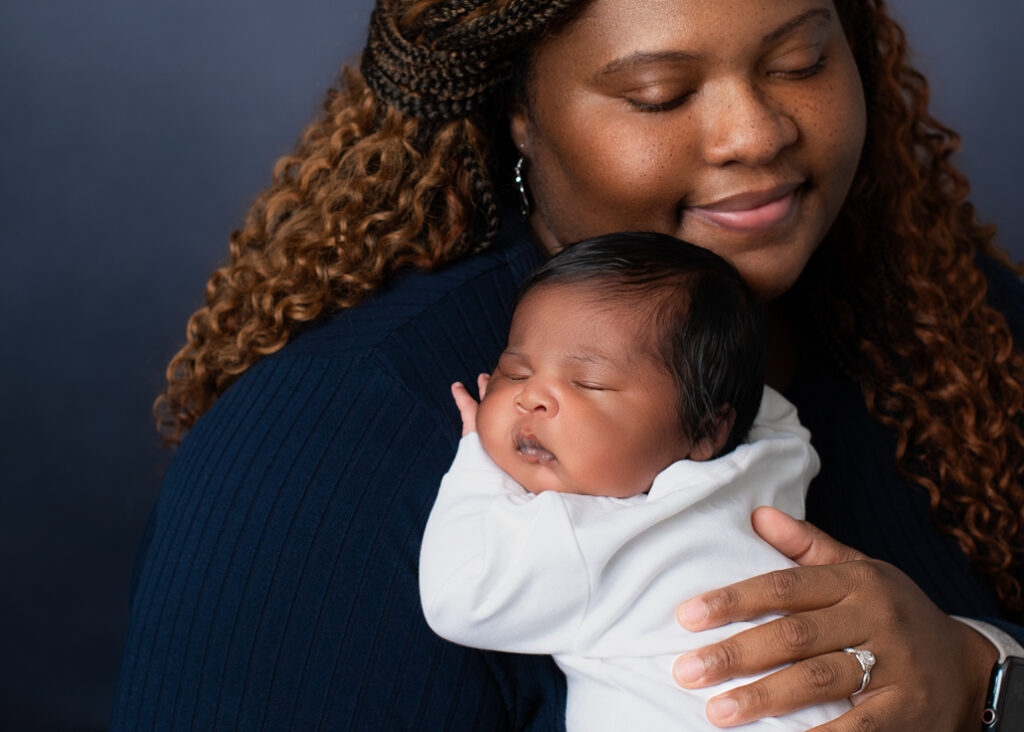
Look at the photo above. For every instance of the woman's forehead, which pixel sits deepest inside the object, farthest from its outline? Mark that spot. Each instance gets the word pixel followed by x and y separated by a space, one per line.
pixel 617 29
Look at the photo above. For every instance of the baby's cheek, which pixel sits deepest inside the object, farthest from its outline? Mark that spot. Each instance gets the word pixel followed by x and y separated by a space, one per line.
pixel 488 427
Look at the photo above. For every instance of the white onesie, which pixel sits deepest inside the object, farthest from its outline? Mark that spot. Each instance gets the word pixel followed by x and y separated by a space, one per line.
pixel 594 581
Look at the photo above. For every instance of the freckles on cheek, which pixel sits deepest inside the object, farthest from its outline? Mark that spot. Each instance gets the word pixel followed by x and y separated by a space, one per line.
pixel 626 169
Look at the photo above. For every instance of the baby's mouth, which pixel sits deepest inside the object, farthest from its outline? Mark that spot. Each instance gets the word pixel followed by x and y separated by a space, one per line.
pixel 532 451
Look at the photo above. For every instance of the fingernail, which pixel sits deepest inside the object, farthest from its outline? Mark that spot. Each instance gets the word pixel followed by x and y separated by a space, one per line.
pixel 688 669
pixel 722 710
pixel 693 613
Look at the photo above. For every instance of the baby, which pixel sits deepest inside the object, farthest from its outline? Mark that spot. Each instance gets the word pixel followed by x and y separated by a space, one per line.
pixel 607 474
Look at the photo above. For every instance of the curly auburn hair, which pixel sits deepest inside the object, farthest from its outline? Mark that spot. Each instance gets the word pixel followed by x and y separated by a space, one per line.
pixel 901 302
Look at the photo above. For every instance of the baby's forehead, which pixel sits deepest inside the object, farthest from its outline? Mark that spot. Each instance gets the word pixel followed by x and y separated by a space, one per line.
pixel 592 323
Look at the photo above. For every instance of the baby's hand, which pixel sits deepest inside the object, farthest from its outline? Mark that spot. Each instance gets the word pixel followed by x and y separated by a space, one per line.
pixel 467 404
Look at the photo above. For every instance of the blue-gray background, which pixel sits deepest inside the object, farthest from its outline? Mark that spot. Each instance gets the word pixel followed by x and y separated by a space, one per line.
pixel 132 138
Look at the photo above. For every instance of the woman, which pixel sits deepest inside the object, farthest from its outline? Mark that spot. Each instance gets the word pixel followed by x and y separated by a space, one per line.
pixel 278 585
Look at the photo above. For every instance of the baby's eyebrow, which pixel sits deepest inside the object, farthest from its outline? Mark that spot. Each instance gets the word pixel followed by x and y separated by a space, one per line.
pixel 596 358
pixel 587 357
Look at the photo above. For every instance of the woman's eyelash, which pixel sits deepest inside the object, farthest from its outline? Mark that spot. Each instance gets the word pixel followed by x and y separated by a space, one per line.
pixel 660 106
pixel 803 73
pixel 678 101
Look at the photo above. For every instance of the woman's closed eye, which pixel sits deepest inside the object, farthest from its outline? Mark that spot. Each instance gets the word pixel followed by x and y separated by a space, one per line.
pixel 657 102
pixel 804 73
pixel 796 65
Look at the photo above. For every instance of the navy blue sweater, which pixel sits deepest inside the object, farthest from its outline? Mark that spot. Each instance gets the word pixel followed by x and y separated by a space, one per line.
pixel 277 588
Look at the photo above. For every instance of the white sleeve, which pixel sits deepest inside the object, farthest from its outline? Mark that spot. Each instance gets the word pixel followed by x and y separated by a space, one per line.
pixel 499 566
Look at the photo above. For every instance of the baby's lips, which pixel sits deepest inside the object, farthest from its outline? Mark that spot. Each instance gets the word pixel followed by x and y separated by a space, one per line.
pixel 531 448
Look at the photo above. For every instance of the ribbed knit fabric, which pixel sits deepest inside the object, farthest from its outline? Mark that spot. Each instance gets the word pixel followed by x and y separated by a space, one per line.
pixel 277 588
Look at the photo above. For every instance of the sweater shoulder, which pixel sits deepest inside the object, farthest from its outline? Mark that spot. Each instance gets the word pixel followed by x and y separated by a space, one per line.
pixel 413 338
pixel 456 300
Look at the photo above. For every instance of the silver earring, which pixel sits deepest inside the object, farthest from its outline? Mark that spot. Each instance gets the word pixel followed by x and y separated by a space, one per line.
pixel 524 198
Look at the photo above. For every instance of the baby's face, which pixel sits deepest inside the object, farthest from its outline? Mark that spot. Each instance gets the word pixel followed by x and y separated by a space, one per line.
pixel 579 402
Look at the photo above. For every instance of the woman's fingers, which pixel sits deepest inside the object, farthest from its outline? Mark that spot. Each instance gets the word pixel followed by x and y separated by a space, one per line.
pixel 931 669
pixel 772 644
pixel 830 573
pixel 785 590
pixel 802 542
pixel 828 677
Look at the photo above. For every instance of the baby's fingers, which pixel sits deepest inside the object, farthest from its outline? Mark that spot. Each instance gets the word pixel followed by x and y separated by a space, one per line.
pixel 467 407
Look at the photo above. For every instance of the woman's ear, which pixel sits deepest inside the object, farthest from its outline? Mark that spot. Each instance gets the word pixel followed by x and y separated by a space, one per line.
pixel 519 129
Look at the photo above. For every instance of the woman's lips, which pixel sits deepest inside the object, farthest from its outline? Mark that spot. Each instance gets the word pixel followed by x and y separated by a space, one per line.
pixel 751 212
pixel 531 450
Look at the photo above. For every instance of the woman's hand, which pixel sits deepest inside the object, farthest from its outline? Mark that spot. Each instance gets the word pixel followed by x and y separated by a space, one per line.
pixel 467 404
pixel 931 671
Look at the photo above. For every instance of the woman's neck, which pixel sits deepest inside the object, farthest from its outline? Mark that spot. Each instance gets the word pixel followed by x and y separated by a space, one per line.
pixel 780 364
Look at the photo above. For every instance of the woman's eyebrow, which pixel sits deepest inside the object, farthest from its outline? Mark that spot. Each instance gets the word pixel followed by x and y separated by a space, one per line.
pixel 640 58
pixel 822 15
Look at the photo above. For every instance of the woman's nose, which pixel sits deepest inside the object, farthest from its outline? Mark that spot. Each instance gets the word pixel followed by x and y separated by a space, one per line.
pixel 745 126
pixel 536 398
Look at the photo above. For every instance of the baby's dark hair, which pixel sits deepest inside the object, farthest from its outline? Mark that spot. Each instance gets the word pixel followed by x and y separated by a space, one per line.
pixel 708 327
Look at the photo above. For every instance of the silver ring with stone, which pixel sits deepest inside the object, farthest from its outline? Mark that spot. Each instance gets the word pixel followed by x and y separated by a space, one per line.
pixel 866 659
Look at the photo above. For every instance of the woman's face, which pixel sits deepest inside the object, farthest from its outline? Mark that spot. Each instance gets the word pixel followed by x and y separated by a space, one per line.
pixel 733 124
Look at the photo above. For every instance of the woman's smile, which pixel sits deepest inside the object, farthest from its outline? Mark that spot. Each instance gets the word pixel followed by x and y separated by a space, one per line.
pixel 753 211
pixel 734 125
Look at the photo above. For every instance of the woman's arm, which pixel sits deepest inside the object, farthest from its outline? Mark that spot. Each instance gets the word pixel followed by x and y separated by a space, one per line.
pixel 931 671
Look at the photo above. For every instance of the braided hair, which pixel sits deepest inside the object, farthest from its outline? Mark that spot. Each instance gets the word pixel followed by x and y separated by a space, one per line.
pixel 446 60
pixel 450 60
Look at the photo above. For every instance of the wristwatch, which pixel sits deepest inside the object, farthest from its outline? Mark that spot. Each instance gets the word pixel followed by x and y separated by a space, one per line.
pixel 1004 707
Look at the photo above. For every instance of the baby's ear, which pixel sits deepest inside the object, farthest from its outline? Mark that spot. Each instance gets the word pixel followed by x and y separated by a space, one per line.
pixel 708 447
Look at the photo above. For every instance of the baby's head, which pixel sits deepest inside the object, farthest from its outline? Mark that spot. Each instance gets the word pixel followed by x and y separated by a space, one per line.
pixel 627 352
